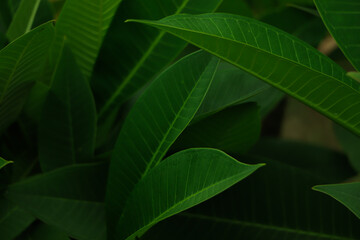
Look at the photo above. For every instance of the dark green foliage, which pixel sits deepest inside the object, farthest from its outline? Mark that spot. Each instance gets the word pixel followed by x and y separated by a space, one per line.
pixel 111 130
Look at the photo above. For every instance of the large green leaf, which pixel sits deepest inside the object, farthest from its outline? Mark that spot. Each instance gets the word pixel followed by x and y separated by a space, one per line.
pixel 232 86
pixel 23 19
pixel 154 123
pixel 84 23
pixel 347 193
pixel 67 128
pixel 342 19
pixel 140 52
pixel 276 57
pixel 21 63
pixel 76 193
pixel 13 220
pixel 3 162
pixel 179 182
pixel 234 129
pixel 276 202
pixel 350 143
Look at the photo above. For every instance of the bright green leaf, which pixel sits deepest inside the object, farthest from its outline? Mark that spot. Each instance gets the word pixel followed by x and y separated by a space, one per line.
pixel 84 23
pixel 67 128
pixel 154 123
pixel 23 19
pixel 13 220
pixel 342 19
pixel 234 129
pixel 76 193
pixel 346 193
pixel 144 52
pixel 21 63
pixel 276 57
pixel 180 182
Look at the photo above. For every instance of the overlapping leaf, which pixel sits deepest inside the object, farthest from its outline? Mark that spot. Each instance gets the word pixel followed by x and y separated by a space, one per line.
pixel 140 52
pixel 342 18
pixel 84 23
pixel 67 128
pixel 153 124
pixel 346 193
pixel 276 202
pixel 23 19
pixel 276 57
pixel 69 198
pixel 181 181
pixel 21 63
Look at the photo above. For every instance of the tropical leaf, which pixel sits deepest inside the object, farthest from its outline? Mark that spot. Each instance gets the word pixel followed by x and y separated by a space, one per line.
pixel 3 162
pixel 342 20
pixel 67 128
pixel 274 203
pixel 234 129
pixel 145 51
pixel 232 86
pixel 23 19
pixel 346 193
pixel 76 193
pixel 154 123
pixel 276 57
pixel 21 63
pixel 84 23
pixel 350 143
pixel 13 220
pixel 178 183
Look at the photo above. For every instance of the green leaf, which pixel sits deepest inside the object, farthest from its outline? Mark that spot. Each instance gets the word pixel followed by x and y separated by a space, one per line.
pixel 76 193
pixel 350 143
pixel 276 57
pixel 84 23
pixel 342 20
pixel 354 75
pixel 13 220
pixel 346 193
pixel 45 232
pixel 274 203
pixel 234 129
pixel 154 123
pixel 145 51
pixel 178 183
pixel 21 63
pixel 232 86
pixel 67 128
pixel 23 19
pixel 3 162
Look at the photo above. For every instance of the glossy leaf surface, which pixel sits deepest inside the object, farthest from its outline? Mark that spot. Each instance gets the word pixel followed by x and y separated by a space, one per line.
pixel 84 23
pixel 76 193
pixel 347 194
pixel 141 52
pixel 154 123
pixel 276 57
pixel 179 182
pixel 23 19
pixel 342 19
pixel 67 127
pixel 21 63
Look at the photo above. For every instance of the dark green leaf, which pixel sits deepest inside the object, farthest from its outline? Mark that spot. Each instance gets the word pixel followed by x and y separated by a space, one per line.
pixel 13 220
pixel 154 123
pixel 67 128
pixel 347 194
pixel 44 232
pixel 21 63
pixel 276 57
pixel 179 182
pixel 342 18
pixel 234 129
pixel 144 51
pixel 69 198
pixel 23 19
pixel 354 75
